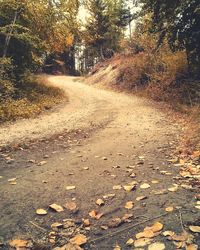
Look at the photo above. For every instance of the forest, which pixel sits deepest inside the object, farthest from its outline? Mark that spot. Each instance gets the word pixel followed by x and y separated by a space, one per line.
pixel 99 124
pixel 71 37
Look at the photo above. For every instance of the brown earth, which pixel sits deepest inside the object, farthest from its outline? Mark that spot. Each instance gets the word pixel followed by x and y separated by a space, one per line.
pixel 80 145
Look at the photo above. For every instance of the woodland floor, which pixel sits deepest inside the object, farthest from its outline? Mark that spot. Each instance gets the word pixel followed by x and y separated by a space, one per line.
pixel 94 143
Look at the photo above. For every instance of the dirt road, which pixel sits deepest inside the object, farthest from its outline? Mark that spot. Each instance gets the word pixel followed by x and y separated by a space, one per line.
pixel 96 142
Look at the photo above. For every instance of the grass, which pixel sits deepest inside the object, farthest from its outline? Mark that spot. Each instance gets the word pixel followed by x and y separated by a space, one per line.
pixel 31 98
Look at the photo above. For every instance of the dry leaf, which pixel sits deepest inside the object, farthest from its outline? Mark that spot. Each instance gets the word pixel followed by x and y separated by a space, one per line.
pixel 68 246
pixel 159 192
pixel 130 242
pixel 56 225
pixel 117 247
pixel 154 182
pixel 145 186
pixel 145 234
pixel 142 242
pixel 140 198
pixel 181 237
pixel 71 206
pixel 100 202
pixel 56 207
pixel 195 229
pixel 129 205
pixel 41 211
pixel 192 247
pixel 86 222
pixel 129 187
pixel 70 187
pixel 116 222
pixel 169 209
pixel 79 240
pixel 42 163
pixel 19 243
pixel 95 215
pixel 156 227
pixel 117 187
pixel 174 188
pixel 127 217
pixel 168 233
pixel 109 196
pixel 156 246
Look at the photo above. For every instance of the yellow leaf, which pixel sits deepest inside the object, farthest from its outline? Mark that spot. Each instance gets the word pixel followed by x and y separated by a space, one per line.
pixel 19 243
pixel 155 228
pixel 195 229
pixel 129 205
pixel 157 246
pixel 41 211
pixel 169 209
pixel 130 242
pixel 56 207
pixel 145 234
pixel 100 202
pixel 79 240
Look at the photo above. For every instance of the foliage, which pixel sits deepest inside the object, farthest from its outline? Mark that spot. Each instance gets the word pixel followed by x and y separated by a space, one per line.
pixel 179 22
pixel 104 27
pixel 31 100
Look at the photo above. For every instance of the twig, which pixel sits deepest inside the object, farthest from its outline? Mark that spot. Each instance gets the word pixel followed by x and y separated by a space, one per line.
pixel 41 228
pixel 181 220
pixel 126 228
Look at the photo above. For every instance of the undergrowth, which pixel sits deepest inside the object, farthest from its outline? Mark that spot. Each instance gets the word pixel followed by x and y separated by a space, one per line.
pixel 29 99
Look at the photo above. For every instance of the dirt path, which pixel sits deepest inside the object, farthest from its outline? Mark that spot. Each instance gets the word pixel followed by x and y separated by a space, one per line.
pixel 93 143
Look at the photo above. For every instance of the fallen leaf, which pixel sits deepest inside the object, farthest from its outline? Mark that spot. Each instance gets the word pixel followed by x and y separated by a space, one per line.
pixel 133 175
pixel 71 206
pixel 168 233
pixel 154 182
pixel 56 225
pixel 86 222
pixel 104 227
pixel 117 187
pixel 70 187
pixel 156 227
pixel 180 237
pixel 109 196
pixel 85 168
pixel 174 188
pixel 169 209
pixel 41 211
pixel 19 243
pixel 159 192
pixel 142 242
pixel 156 246
pixel 130 242
pixel 42 163
pixel 127 217
pixel 130 186
pixel 95 215
pixel 115 222
pixel 79 240
pixel 68 246
pixel 117 247
pixel 100 202
pixel 140 198
pixel 192 247
pixel 145 234
pixel 195 229
pixel 129 205
pixel 145 186
pixel 12 180
pixel 56 207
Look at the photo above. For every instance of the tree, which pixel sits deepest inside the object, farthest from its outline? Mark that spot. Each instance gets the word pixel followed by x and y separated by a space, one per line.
pixel 178 21
pixel 105 25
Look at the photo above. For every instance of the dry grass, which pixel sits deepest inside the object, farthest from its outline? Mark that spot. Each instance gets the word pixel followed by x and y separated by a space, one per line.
pixel 33 97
